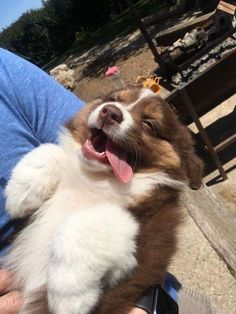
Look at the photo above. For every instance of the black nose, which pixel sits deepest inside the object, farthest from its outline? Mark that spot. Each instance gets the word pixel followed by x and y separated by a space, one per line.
pixel 110 114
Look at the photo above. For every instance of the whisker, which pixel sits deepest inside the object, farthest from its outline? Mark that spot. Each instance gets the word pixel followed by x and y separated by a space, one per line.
pixel 133 148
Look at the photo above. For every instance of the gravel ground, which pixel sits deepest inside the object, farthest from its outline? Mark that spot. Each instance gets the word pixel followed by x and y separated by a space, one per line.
pixel 197 265
pixel 226 113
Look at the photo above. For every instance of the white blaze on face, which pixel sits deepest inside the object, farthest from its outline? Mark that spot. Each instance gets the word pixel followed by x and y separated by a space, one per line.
pixel 128 122
pixel 145 92
pixel 94 122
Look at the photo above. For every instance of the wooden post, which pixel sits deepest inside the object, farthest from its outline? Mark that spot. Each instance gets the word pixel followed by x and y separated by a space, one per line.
pixel 147 37
pixel 215 221
pixel 204 135
pixel 188 103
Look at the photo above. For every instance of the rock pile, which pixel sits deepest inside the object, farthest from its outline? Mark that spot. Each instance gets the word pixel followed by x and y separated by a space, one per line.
pixel 64 75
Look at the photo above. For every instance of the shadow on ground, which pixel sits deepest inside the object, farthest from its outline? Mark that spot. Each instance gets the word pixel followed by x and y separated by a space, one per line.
pixel 123 47
pixel 219 131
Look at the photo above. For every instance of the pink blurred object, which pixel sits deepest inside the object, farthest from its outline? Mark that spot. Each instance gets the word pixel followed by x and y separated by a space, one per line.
pixel 112 70
pixel 114 74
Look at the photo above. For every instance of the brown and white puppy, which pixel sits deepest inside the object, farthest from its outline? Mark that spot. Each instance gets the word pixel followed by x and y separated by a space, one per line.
pixel 108 205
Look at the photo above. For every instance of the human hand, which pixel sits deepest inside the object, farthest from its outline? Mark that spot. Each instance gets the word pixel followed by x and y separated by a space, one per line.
pixel 137 311
pixel 11 302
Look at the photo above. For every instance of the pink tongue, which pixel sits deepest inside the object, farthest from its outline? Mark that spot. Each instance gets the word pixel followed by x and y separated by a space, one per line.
pixel 120 167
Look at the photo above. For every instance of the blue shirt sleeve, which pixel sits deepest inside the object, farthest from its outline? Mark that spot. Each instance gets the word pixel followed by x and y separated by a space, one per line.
pixel 32 108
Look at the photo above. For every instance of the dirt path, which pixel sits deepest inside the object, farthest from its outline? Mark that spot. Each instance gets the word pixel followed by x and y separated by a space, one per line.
pixel 88 87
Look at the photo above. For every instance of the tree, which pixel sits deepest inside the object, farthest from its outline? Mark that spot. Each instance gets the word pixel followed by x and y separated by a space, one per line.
pixel 39 35
pixel 29 37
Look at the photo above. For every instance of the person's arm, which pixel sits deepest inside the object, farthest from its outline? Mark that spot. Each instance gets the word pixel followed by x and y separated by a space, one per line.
pixel 137 311
pixel 33 107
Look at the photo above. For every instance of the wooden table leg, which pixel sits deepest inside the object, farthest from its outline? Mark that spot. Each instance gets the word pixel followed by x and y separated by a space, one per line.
pixel 189 105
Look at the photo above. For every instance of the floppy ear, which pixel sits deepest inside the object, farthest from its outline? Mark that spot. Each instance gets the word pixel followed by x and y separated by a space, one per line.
pixel 194 169
pixel 192 164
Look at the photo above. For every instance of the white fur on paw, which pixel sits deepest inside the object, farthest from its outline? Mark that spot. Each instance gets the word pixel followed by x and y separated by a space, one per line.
pixel 33 180
pixel 74 304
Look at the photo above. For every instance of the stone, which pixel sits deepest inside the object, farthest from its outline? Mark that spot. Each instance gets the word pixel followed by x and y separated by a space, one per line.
pixel 64 75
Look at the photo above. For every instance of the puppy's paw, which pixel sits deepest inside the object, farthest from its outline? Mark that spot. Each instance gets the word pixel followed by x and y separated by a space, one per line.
pixel 34 180
pixel 73 303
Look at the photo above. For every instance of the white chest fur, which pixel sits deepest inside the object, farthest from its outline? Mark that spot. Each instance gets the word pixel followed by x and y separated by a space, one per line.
pixel 80 239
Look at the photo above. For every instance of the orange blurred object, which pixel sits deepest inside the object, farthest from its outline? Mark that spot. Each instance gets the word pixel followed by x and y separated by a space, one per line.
pixel 151 82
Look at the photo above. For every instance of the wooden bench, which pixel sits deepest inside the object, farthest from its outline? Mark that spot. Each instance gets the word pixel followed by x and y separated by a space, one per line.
pixel 215 221
pixel 203 93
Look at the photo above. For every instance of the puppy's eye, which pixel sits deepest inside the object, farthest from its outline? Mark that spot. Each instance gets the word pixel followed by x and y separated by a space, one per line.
pixel 152 128
pixel 111 98
pixel 149 125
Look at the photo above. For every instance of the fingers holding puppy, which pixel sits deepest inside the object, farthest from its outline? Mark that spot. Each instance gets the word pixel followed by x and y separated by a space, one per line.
pixel 11 302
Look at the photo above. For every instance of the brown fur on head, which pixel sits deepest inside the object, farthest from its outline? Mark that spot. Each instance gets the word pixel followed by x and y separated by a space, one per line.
pixel 154 141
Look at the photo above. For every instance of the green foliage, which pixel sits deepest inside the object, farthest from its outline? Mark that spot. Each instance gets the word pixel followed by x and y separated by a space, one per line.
pixel 83 36
pixel 29 37
pixel 40 35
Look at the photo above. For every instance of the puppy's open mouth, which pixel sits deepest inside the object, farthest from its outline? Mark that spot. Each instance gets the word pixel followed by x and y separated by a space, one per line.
pixel 101 148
